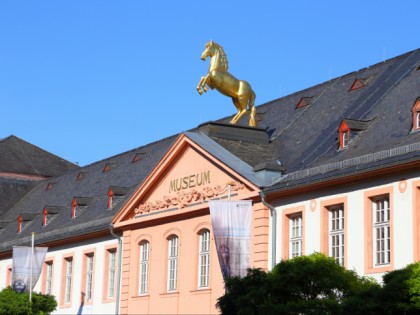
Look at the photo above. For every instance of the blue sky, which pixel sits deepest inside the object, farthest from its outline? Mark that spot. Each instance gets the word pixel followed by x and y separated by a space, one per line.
pixel 89 79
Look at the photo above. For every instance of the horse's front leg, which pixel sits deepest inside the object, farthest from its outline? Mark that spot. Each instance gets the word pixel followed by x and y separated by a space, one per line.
pixel 201 87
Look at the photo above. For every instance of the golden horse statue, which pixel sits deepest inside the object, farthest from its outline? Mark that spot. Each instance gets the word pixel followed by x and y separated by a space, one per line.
pixel 220 79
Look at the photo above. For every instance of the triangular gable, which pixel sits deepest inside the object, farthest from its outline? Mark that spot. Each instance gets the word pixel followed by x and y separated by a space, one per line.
pixel 416 105
pixel 343 126
pixel 304 101
pixel 183 181
pixel 358 84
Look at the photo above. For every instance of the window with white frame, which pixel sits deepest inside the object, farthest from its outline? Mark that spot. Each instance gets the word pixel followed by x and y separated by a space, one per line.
pixel 111 273
pixel 336 233
pixel 48 277
pixel 204 259
pixel 295 235
pixel 172 263
pixel 346 138
pixel 68 284
pixel 144 267
pixel 89 276
pixel 381 230
pixel 418 120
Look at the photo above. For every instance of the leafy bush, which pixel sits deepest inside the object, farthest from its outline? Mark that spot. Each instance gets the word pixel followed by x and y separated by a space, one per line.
pixel 14 303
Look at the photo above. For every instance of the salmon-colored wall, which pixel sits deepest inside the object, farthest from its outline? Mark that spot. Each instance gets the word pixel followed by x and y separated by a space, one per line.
pixel 147 217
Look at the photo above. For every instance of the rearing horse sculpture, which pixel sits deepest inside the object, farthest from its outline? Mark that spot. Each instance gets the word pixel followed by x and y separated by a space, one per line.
pixel 220 79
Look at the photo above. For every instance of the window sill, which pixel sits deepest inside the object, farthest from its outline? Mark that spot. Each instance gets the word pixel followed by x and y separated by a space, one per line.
pixel 141 297
pixel 169 294
pixel 201 291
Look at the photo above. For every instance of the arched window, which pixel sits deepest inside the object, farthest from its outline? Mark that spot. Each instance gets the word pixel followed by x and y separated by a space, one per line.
pixel 204 259
pixel 172 263
pixel 144 267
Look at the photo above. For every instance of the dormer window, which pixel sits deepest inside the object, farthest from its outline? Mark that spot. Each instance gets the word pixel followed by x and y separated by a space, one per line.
pixel 108 167
pixel 137 157
pixel 80 204
pixel 346 138
pixel 115 193
pixel 49 186
pixel 304 101
pixel 110 195
pixel 20 224
pixel 416 115
pixel 349 128
pixel 81 175
pixel 358 84
pixel 45 217
pixel 73 208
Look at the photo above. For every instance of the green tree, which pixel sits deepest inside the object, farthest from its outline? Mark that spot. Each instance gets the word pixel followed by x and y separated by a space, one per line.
pixel 400 293
pixel 313 284
pixel 14 303
pixel 247 295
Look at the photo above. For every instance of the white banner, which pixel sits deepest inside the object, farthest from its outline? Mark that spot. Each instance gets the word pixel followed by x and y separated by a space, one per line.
pixel 22 270
pixel 231 221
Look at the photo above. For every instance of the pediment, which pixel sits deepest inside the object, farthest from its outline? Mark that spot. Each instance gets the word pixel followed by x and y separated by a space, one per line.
pixel 184 181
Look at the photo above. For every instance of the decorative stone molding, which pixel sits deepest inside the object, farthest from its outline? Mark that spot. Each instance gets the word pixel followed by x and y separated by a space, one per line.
pixel 183 198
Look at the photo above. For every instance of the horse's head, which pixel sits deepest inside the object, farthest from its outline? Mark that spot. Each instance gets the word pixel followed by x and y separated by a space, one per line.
pixel 209 50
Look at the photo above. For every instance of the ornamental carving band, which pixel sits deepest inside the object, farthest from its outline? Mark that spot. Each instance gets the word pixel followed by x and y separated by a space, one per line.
pixel 184 198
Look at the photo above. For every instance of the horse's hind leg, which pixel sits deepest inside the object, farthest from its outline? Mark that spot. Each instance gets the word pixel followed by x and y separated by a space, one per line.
pixel 240 104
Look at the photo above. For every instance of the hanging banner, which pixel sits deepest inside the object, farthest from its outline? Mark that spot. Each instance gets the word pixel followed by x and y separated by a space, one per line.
pixel 231 221
pixel 22 270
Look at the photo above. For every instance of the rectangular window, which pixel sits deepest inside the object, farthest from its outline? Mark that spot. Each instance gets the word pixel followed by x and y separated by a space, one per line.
pixel 336 233
pixel 144 268
pixel 68 281
pixel 295 235
pixel 48 277
pixel 89 276
pixel 111 273
pixel 381 230
pixel 172 263
pixel 204 260
pixel 378 234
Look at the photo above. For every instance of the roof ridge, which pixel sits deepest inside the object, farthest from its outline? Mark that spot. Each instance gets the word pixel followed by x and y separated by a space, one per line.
pixel 131 150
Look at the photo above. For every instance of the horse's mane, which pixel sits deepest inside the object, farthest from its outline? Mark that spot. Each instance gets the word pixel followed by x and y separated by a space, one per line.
pixel 223 58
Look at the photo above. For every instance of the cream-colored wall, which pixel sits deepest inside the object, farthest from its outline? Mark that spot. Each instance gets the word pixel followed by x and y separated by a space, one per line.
pixel 402 220
pixel 97 306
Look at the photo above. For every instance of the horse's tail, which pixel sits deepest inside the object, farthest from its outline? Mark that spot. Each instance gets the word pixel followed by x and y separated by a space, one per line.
pixel 252 110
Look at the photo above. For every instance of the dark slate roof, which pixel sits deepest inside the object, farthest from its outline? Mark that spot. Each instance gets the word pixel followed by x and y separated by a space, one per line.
pixel 19 156
pixel 356 124
pixel 91 194
pixel 308 140
pixel 292 147
pixel 12 190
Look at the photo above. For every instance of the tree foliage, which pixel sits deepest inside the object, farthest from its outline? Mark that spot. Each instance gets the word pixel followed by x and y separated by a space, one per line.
pixel 14 303
pixel 313 284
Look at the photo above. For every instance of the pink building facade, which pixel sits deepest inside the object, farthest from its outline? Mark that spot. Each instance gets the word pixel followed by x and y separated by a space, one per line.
pixel 170 263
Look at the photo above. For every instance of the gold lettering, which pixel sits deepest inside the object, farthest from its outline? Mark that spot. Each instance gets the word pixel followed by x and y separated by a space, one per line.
pixel 192 181
pixel 206 177
pixel 189 181
pixel 172 186
pixel 185 183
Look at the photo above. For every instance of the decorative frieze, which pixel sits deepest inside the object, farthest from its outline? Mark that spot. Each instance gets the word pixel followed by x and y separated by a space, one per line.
pixel 184 198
